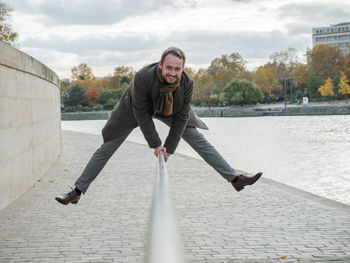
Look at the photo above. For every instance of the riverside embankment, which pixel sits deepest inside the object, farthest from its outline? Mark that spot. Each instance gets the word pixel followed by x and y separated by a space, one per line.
pixel 312 109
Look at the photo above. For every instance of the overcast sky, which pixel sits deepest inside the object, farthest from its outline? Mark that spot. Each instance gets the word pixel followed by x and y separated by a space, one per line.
pixel 109 33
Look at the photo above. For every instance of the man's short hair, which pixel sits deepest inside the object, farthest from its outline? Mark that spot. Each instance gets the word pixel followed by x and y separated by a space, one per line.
pixel 175 51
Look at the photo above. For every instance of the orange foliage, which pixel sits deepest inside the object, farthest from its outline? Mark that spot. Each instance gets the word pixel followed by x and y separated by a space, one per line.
pixel 327 89
pixel 92 96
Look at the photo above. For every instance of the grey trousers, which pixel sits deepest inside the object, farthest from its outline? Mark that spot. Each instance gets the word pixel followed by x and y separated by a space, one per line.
pixel 191 135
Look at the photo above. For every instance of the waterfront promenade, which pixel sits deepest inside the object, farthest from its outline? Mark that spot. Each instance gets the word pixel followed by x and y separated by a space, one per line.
pixel 269 222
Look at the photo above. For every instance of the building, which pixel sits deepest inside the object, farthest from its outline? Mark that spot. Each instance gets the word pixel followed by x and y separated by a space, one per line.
pixel 334 35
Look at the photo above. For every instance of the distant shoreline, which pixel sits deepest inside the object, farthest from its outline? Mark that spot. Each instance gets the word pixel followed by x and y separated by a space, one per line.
pixel 237 111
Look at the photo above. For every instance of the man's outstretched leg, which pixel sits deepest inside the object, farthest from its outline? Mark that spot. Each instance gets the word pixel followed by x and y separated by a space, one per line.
pixel 198 142
pixel 92 169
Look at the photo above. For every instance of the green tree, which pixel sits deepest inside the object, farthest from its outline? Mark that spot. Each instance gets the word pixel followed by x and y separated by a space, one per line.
pixel 241 91
pixel 7 34
pixel 111 97
pixel 123 87
pixel 74 97
pixel 82 72
pixel 313 84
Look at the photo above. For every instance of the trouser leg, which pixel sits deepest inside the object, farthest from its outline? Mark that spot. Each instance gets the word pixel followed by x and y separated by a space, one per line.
pixel 198 142
pixel 97 162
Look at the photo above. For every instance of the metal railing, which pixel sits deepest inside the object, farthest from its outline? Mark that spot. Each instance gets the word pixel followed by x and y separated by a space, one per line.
pixel 164 244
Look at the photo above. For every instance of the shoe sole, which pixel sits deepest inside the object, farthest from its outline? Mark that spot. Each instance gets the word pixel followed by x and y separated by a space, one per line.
pixel 60 201
pixel 239 189
pixel 63 203
pixel 242 187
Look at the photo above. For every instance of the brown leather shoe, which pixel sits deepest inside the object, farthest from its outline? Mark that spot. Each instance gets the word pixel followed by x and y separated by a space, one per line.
pixel 245 180
pixel 71 197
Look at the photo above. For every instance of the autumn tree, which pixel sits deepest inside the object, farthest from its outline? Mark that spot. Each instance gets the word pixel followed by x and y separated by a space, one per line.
pixel 7 34
pixel 327 90
pixel 92 96
pixel 325 61
pixel 344 87
pixel 265 80
pixel 285 62
pixel 204 86
pixel 190 71
pixel 90 84
pixel 300 75
pixel 82 72
pixel 346 67
pixel 64 85
pixel 122 74
pixel 226 68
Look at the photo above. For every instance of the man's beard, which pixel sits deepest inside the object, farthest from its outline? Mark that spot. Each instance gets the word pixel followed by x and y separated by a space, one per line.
pixel 165 77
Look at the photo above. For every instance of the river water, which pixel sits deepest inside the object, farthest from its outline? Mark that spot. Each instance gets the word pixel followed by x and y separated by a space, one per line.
pixel 311 153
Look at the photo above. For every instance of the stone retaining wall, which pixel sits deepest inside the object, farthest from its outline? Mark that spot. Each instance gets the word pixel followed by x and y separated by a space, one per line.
pixel 289 111
pixel 232 112
pixel 30 134
pixel 75 116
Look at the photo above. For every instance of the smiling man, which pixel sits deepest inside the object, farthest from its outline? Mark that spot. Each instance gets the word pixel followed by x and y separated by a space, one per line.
pixel 161 90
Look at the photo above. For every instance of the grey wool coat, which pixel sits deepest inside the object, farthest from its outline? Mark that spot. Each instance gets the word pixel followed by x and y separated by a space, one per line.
pixel 138 104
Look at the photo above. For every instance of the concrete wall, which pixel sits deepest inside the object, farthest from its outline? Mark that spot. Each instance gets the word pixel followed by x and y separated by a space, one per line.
pixel 256 112
pixel 78 116
pixel 231 112
pixel 30 134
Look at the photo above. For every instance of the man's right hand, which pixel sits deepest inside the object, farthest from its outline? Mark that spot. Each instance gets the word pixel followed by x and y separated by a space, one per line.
pixel 158 150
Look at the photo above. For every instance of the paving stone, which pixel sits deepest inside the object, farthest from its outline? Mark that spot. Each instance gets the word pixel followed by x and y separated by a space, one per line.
pixel 263 223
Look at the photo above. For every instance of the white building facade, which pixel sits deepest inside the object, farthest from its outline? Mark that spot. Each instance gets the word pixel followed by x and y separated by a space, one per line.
pixel 334 35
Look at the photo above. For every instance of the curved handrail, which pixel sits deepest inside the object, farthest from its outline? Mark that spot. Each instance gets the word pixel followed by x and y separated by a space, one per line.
pixel 164 241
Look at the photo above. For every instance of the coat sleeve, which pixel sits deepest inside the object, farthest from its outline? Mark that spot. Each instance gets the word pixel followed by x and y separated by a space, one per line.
pixel 179 123
pixel 143 109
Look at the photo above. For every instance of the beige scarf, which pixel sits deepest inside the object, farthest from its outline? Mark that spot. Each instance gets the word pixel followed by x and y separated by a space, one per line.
pixel 165 100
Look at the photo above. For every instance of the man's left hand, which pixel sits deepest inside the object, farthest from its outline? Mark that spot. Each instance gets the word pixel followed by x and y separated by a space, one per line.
pixel 158 150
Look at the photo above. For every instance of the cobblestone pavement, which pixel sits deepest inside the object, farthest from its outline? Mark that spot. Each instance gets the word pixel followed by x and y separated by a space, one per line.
pixel 268 222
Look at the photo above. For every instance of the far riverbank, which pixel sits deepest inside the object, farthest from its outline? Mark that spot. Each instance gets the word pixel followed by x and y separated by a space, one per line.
pixel 259 110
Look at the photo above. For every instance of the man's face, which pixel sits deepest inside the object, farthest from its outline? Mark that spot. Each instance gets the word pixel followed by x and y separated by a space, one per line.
pixel 171 68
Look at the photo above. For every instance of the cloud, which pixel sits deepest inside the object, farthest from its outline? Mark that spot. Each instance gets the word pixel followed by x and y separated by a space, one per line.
pixel 205 46
pixel 299 28
pixel 92 12
pixel 317 14
pixel 242 1
pixel 90 43
pixel 137 50
pixel 108 33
